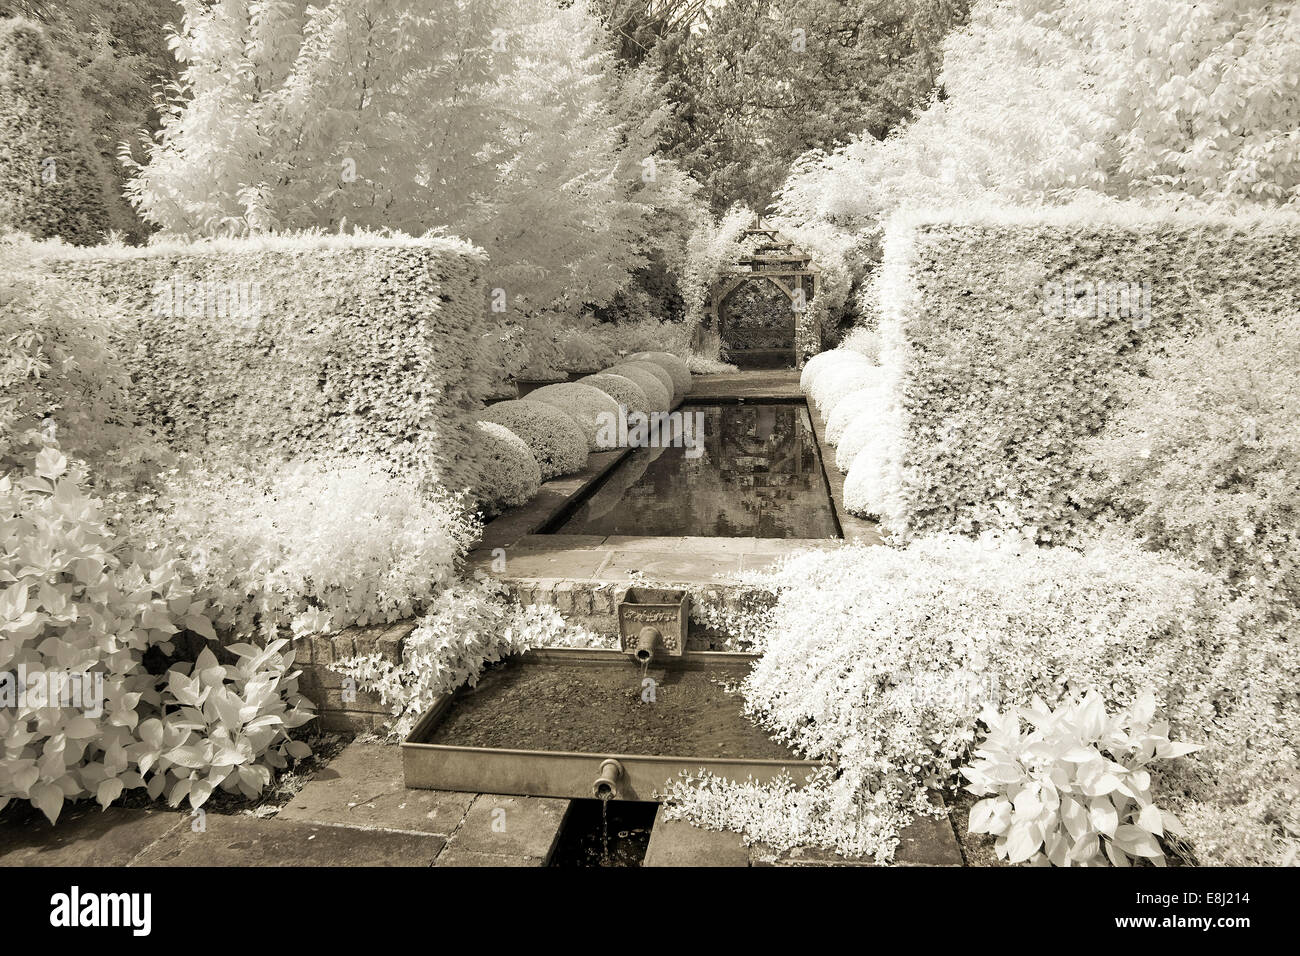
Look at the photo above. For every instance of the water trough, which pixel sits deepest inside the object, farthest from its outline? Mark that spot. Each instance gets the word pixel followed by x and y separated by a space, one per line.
pixel 612 724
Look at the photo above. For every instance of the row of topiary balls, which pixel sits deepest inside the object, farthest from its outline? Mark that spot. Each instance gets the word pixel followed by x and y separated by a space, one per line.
pixel 850 390
pixel 523 442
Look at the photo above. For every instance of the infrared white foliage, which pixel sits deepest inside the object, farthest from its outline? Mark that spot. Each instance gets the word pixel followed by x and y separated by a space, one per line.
pixel 1075 789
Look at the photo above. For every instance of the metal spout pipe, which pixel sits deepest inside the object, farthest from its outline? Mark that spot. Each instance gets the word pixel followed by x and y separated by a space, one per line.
pixel 605 786
pixel 645 645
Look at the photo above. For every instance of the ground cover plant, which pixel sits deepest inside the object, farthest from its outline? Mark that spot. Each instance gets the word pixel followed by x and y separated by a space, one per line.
pixel 889 681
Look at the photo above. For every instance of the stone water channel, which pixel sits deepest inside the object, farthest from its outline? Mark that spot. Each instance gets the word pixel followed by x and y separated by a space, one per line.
pixel 749 489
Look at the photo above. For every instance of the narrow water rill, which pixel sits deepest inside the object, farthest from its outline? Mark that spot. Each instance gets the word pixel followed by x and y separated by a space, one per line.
pixel 755 471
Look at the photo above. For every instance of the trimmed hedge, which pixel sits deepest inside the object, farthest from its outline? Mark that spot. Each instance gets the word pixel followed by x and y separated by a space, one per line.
pixel 511 476
pixel 587 405
pixel 304 346
pixel 554 438
pixel 995 389
pixel 652 379
pixel 621 389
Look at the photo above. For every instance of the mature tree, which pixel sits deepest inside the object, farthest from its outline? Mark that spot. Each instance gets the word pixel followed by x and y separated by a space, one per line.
pixel 51 180
pixel 763 81
pixel 490 119
pixel 115 55
pixel 1053 100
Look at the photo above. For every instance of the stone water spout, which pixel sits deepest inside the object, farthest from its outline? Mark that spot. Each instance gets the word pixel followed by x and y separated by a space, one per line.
pixel 646 641
pixel 605 786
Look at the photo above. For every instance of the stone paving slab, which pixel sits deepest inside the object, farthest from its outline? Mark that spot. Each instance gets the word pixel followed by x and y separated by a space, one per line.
pixel 678 843
pixel 457 856
pixel 364 787
pixel 86 836
pixel 579 563
pixel 252 841
pixel 668 567
pixel 525 828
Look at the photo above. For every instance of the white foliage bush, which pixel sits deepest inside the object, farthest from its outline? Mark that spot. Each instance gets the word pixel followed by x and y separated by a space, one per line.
pixel 868 427
pixel 843 378
pixel 556 441
pixel 588 406
pixel 653 380
pixel 511 475
pixel 676 368
pixel 308 545
pixel 880 660
pixel 824 362
pixel 864 341
pixel 76 602
pixel 849 408
pixel 1076 788
pixel 621 389
pixel 471 624
pixel 223 726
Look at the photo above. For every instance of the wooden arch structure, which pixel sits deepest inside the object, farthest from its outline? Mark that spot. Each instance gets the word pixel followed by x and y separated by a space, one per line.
pixel 775 262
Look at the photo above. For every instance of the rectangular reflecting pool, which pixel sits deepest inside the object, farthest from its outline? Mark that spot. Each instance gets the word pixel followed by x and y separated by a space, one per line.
pixel 754 471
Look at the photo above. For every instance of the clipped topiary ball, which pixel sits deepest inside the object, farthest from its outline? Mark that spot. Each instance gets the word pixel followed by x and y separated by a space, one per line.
pixel 511 476
pixel 824 361
pixel 676 368
pixel 654 381
pixel 621 389
pixel 592 410
pixel 554 438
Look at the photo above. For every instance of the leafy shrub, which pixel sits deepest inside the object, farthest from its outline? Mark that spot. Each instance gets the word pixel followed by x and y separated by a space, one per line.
pixel 52 182
pixel 581 350
pixel 555 440
pixel 676 368
pixel 703 365
pixel 1202 455
pixel 511 475
pixel 76 602
pixel 586 405
pixel 313 546
pixel 470 625
pixel 621 389
pixel 651 379
pixel 850 407
pixel 823 363
pixel 223 726
pixel 881 659
pixel 864 341
pixel 865 428
pixel 1076 788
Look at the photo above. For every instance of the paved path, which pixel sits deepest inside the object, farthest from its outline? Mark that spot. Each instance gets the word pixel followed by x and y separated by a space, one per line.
pixel 357 811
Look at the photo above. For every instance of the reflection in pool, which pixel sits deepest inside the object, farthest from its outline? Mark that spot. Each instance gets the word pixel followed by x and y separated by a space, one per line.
pixel 759 476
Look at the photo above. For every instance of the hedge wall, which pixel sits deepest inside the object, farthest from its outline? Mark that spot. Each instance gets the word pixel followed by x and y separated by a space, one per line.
pixel 303 346
pixel 995 385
